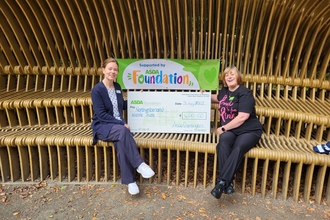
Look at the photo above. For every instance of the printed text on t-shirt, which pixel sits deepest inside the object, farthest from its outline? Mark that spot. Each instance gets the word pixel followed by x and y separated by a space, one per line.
pixel 226 109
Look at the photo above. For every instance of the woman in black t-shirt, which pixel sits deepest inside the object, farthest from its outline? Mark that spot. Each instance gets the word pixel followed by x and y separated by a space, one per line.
pixel 240 129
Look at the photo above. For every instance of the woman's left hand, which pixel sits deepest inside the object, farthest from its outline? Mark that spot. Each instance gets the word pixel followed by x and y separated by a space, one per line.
pixel 127 126
pixel 219 130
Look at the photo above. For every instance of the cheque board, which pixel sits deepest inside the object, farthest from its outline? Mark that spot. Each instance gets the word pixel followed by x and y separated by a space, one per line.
pixel 169 112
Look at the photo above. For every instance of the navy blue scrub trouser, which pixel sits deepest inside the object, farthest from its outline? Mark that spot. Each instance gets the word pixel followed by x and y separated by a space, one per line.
pixel 230 151
pixel 127 152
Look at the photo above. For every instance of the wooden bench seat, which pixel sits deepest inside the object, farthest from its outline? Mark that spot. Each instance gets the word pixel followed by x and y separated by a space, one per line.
pixel 65 153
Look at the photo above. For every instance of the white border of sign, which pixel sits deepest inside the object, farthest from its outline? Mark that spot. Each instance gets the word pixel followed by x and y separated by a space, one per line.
pixel 169 112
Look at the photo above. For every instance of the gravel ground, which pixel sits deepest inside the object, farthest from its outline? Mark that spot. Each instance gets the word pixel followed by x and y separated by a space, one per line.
pixel 50 200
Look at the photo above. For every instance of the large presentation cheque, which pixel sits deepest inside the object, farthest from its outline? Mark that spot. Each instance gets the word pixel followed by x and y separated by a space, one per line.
pixel 169 112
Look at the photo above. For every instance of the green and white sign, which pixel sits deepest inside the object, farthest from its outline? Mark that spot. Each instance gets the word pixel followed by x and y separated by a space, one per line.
pixel 169 112
pixel 168 74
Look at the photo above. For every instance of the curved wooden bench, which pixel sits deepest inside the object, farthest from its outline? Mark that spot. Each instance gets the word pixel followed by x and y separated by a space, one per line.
pixel 290 131
pixel 65 153
pixel 300 106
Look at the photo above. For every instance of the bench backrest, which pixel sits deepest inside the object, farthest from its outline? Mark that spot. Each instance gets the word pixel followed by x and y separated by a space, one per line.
pixel 286 42
pixel 281 47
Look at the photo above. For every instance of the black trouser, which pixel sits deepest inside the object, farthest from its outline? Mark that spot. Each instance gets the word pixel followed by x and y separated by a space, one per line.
pixel 230 150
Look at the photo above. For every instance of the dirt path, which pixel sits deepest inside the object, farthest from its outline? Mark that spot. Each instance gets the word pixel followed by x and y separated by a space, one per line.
pixel 112 201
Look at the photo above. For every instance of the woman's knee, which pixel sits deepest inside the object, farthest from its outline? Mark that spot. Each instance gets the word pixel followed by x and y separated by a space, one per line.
pixel 123 131
pixel 118 132
pixel 226 141
pixel 227 137
pixel 120 128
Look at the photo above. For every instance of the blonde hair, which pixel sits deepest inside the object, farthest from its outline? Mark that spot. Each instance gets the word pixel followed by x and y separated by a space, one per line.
pixel 236 71
pixel 109 60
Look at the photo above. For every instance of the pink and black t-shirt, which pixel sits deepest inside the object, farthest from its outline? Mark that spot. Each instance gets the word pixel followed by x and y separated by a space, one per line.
pixel 241 100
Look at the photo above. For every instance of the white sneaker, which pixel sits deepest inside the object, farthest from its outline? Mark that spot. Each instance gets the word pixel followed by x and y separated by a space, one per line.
pixel 145 170
pixel 133 189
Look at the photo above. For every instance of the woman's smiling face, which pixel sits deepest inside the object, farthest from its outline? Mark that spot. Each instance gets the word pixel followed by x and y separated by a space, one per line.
pixel 231 79
pixel 110 71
